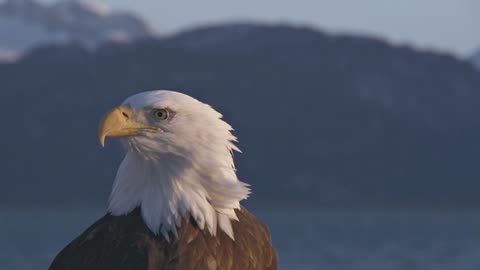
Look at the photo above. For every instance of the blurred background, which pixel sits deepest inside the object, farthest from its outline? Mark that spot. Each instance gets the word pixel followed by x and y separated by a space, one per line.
pixel 358 120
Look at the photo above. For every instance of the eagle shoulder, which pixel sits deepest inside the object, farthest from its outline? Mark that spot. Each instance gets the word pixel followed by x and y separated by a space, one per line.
pixel 107 244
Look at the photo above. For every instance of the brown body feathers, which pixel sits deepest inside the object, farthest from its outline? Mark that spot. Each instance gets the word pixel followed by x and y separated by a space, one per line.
pixel 126 243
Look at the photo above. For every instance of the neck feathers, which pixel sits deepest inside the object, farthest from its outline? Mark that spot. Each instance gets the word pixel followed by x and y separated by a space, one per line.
pixel 170 187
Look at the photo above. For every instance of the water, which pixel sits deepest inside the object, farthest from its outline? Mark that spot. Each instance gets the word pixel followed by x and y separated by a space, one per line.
pixel 305 240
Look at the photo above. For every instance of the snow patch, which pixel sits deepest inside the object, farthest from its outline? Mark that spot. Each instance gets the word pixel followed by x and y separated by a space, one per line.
pixel 25 24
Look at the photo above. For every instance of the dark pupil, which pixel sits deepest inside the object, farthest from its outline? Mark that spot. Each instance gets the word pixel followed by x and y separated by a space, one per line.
pixel 161 114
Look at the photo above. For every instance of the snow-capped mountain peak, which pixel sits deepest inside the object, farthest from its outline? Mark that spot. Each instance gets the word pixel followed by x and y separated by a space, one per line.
pixel 83 6
pixel 25 24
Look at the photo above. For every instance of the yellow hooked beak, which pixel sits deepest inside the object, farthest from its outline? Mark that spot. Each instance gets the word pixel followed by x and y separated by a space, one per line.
pixel 118 123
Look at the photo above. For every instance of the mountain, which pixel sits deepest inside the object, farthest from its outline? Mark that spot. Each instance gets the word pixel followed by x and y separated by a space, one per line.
pixel 25 24
pixel 475 59
pixel 323 120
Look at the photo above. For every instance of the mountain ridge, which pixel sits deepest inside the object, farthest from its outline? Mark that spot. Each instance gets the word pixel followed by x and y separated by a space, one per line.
pixel 322 120
pixel 475 59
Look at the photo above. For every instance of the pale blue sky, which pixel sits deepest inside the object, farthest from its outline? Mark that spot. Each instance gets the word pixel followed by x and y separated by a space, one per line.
pixel 445 25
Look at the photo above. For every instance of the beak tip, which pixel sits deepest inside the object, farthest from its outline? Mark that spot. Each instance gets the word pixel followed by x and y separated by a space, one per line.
pixel 102 141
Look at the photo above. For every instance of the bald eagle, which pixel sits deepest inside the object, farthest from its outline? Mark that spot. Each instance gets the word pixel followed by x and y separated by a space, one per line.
pixel 175 201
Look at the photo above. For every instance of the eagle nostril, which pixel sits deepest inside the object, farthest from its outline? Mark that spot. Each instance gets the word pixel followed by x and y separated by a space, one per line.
pixel 126 115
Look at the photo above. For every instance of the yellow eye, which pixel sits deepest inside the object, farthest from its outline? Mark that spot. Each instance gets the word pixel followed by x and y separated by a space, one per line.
pixel 161 114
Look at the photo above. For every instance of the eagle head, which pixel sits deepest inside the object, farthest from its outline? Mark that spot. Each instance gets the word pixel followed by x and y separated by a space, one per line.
pixel 178 162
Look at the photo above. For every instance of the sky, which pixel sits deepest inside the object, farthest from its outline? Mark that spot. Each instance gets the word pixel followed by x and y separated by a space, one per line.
pixel 442 25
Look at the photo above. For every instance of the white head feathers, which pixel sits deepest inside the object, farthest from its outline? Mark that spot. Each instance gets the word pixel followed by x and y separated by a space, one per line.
pixel 187 169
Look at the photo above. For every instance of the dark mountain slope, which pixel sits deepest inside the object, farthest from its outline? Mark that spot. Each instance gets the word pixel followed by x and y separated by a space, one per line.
pixel 323 120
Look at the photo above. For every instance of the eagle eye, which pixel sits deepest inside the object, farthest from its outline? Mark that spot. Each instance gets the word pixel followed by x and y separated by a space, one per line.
pixel 161 114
